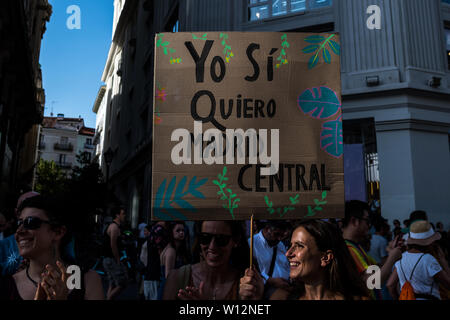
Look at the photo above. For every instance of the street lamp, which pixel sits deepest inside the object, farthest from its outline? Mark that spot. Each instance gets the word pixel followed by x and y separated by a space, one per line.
pixel 109 155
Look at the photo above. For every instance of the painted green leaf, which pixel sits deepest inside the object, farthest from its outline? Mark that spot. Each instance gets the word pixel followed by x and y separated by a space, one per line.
pixel 284 37
pixel 335 47
pixel 324 195
pixel 310 49
pixel 216 183
pixel 172 50
pixel 165 43
pixel 313 61
pixel 165 50
pixel 224 171
pixel 326 55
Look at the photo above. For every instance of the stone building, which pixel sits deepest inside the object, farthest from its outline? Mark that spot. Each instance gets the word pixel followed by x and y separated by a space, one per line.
pixel 395 90
pixel 22 98
pixel 62 139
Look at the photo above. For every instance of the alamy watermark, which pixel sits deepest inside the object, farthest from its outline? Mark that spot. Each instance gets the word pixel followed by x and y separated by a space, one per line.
pixel 74 20
pixel 74 280
pixel 374 279
pixel 374 21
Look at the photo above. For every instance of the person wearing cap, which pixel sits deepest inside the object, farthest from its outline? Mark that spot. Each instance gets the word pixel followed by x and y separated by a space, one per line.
pixel 419 267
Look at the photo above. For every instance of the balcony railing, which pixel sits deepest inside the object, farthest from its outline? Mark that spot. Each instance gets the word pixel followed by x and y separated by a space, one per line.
pixel 63 146
pixel 64 165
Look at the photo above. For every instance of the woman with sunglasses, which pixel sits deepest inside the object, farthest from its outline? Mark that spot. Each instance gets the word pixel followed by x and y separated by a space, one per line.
pixel 321 268
pixel 41 238
pixel 223 258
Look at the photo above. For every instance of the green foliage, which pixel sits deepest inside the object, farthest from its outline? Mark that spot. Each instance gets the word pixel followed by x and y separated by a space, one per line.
pixel 312 211
pixel 167 51
pixel 226 48
pixel 282 58
pixel 50 179
pixel 281 211
pixel 226 193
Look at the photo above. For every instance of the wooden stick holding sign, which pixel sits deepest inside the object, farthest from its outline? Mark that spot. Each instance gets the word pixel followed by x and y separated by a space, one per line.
pixel 251 241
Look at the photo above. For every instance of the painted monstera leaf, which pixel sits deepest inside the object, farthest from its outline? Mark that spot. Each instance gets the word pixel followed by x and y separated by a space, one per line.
pixel 319 103
pixel 331 139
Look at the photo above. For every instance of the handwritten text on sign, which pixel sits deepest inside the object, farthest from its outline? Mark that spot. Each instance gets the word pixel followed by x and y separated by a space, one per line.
pixel 247 123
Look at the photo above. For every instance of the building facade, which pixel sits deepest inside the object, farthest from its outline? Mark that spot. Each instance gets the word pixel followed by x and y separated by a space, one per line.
pixel 22 98
pixel 62 139
pixel 395 90
pixel 99 109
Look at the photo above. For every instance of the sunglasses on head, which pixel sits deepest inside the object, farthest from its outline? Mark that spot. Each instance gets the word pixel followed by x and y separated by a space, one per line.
pixel 31 223
pixel 221 240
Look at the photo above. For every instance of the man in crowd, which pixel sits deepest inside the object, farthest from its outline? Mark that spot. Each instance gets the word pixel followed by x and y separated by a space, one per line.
pixel 115 270
pixel 379 242
pixel 356 227
pixel 269 251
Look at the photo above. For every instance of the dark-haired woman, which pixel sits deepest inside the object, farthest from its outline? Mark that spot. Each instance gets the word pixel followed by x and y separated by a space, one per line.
pixel 42 237
pixel 224 255
pixel 321 268
pixel 176 253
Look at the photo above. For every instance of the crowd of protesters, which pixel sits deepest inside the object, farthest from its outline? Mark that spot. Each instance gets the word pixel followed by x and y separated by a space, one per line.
pixel 358 257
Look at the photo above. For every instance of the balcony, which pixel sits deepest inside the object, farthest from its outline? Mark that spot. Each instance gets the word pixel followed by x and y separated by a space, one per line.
pixel 89 146
pixel 63 146
pixel 64 165
pixel 41 146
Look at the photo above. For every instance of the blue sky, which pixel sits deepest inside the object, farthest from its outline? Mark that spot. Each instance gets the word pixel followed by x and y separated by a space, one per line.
pixel 73 60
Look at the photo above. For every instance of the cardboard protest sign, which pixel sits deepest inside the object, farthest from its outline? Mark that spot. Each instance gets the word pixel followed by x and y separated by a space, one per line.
pixel 247 123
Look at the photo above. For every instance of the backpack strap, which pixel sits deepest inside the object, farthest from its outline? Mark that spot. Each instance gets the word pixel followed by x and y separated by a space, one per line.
pixel 414 268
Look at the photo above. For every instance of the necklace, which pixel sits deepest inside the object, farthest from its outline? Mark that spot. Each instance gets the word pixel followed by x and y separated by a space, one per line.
pixel 28 276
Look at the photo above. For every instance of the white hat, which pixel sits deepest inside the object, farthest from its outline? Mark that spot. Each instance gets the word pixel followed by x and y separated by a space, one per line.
pixel 421 233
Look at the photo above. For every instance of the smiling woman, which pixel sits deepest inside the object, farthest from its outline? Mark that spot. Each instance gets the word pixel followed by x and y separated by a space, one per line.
pixel 223 251
pixel 41 237
pixel 321 267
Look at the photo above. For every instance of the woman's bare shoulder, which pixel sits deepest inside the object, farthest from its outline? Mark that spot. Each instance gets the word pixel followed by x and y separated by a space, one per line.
pixel 280 294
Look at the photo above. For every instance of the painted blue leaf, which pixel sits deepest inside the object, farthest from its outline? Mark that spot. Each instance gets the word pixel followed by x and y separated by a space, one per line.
pixel 331 140
pixel 180 187
pixel 313 61
pixel 335 47
pixel 175 213
pixel 192 182
pixel 169 192
pixel 161 215
pixel 201 182
pixel 309 49
pixel 160 194
pixel 314 39
pixel 185 205
pixel 319 103
pixel 326 55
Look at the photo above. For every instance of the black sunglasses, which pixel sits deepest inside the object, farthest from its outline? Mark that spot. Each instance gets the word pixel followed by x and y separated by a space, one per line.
pixel 221 240
pixel 31 223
